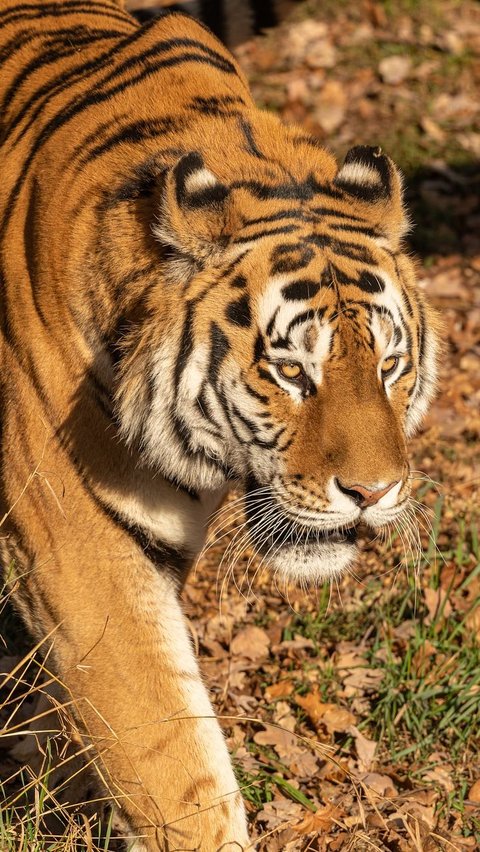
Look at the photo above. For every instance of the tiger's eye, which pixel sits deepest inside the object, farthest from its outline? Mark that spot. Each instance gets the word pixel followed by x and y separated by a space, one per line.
pixel 290 370
pixel 389 365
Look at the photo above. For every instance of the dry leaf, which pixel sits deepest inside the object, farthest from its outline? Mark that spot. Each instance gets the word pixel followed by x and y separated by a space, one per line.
pixel 303 764
pixel 322 820
pixel 330 106
pixel 284 742
pixel 441 775
pixel 395 69
pixel 435 600
pixel 283 716
pixel 423 658
pixel 280 812
pixel 252 642
pixel 298 643
pixel 474 796
pixel 420 812
pixel 333 717
pixel 432 129
pixel 282 689
pixel 365 679
pixel 365 749
pixel 381 784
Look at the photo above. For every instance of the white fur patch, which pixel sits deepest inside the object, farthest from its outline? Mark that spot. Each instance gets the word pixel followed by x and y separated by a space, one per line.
pixel 273 304
pixel 360 174
pixel 201 179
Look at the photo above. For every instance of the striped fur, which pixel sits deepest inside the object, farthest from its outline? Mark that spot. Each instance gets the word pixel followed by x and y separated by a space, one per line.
pixel 193 295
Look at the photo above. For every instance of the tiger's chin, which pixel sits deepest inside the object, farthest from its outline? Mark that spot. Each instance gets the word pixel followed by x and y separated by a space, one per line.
pixel 313 564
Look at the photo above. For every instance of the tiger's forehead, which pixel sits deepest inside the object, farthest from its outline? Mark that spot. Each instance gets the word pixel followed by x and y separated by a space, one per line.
pixel 308 300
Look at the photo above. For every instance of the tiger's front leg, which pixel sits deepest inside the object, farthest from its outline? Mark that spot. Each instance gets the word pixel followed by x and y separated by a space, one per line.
pixel 141 701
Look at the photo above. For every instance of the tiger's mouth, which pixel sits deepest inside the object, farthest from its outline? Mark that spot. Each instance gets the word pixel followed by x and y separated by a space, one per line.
pixel 273 530
pixel 333 536
pixel 300 538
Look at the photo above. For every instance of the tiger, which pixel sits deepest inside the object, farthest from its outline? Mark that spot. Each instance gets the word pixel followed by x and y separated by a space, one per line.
pixel 195 297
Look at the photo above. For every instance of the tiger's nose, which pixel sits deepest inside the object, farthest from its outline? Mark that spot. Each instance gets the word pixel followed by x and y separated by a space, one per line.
pixel 364 496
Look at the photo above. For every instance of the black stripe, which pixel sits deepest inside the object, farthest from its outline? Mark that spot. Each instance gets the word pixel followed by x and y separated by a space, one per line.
pixel 163 556
pixel 216 105
pixel 302 290
pixel 301 318
pixel 81 9
pixel 369 282
pixel 256 395
pixel 290 257
pixel 352 250
pixel 271 322
pixel 186 344
pixel 69 78
pixel 132 133
pixel 368 232
pixel 49 57
pixel 265 374
pixel 239 313
pixel 219 348
pixel 286 229
pixel 51 8
pixel 258 349
pixel 302 215
pixel 251 146
pixel 342 214
pixel 297 191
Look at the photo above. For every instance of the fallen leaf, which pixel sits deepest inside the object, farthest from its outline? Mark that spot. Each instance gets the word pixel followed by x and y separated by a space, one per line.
pixel 279 812
pixel 381 784
pixel 330 106
pixel 322 820
pixel 437 603
pixel 303 764
pixel 432 129
pixel 395 69
pixel 282 689
pixel 423 658
pixel 365 679
pixel 252 642
pixel 284 742
pixel 441 775
pixel 333 717
pixel 365 749
pixel 283 716
pixel 419 812
pixel 474 796
pixel 298 643
pixel 308 42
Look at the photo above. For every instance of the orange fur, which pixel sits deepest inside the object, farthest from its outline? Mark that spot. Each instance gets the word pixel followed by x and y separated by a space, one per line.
pixel 133 170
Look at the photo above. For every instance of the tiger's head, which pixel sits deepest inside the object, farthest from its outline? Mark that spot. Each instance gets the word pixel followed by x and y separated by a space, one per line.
pixel 288 347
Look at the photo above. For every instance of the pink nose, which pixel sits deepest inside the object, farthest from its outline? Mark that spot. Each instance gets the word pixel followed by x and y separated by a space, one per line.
pixel 364 496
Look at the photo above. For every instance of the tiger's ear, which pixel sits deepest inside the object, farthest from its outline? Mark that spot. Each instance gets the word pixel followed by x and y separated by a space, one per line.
pixel 375 184
pixel 195 219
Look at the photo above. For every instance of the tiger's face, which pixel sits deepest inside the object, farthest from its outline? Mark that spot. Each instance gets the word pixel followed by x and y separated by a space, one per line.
pixel 302 359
